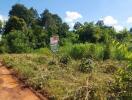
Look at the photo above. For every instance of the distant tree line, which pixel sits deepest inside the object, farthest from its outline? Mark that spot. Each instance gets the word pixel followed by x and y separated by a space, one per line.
pixel 27 30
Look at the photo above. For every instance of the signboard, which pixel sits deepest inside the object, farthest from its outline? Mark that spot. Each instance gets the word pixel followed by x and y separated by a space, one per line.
pixel 54 40
pixel 54 43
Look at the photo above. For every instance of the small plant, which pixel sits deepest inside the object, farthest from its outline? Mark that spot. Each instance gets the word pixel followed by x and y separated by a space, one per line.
pixel 107 52
pixel 52 62
pixel 86 65
pixel 111 69
pixel 65 59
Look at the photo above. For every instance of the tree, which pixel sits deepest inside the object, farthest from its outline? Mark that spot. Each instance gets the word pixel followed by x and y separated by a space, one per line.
pixel 17 42
pixel 63 30
pixel 15 23
pixel 39 37
pixel 123 36
pixel 21 11
pixel 34 13
pixel 131 30
pixel 34 20
pixel 87 33
pixel 51 22
pixel 77 25
pixel 0 26
pixel 100 23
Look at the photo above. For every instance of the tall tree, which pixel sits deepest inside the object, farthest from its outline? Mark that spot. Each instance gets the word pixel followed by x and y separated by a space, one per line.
pixel 100 23
pixel 77 25
pixel 34 13
pixel 63 30
pixel 15 23
pixel 21 11
pixel 51 22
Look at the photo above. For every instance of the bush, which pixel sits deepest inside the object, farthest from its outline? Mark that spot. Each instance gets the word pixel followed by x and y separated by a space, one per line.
pixel 65 59
pixel 107 52
pixel 90 51
pixel 17 42
pixel 65 50
pixel 118 51
pixel 52 62
pixel 78 51
pixel 111 69
pixel 44 51
pixel 86 65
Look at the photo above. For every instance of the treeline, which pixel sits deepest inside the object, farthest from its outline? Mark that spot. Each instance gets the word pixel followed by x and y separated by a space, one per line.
pixel 26 30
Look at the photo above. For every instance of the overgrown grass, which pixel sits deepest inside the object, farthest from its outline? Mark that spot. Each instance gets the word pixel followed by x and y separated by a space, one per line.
pixel 64 83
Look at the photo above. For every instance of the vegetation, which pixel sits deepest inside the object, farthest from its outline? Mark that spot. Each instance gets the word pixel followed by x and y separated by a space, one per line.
pixel 94 62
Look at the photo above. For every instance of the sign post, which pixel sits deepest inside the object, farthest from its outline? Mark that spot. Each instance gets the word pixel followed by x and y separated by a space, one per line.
pixel 54 44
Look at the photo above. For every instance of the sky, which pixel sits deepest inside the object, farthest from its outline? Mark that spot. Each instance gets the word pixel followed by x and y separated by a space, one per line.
pixel 116 13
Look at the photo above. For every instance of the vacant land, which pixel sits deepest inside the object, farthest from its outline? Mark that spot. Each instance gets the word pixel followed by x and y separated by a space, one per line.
pixel 55 80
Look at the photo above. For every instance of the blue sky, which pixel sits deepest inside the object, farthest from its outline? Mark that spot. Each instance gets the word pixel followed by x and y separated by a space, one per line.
pixel 114 12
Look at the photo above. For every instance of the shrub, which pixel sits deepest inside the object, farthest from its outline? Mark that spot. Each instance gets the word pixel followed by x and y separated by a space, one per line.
pixel 107 52
pixel 89 51
pixel 86 65
pixel 77 51
pixel 110 69
pixel 52 62
pixel 99 52
pixel 65 59
pixel 119 51
pixel 65 50
pixel 44 51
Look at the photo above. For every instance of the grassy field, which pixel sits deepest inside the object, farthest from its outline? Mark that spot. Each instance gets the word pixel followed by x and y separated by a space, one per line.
pixel 65 82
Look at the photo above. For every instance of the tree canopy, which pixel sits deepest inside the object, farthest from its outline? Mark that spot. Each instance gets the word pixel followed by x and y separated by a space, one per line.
pixel 36 29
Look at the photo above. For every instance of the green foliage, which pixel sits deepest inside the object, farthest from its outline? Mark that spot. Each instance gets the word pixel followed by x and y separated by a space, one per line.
pixel 0 25
pixel 77 25
pixel 53 24
pixel 45 51
pixel 17 42
pixel 3 46
pixel 107 52
pixel 22 12
pixel 124 81
pixel 65 59
pixel 79 51
pixel 26 32
pixel 86 33
pixel 86 65
pixel 118 50
pixel 15 23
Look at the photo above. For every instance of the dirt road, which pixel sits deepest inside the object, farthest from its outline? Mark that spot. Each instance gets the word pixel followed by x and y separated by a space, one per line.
pixel 10 89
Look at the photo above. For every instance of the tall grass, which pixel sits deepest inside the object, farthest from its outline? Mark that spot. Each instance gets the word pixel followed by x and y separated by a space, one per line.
pixel 79 51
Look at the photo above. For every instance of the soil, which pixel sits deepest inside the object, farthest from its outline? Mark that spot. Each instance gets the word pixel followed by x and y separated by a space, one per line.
pixel 10 88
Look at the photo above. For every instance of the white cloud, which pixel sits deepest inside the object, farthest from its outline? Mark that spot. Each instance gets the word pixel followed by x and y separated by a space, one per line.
pixel 72 17
pixel 3 18
pixel 110 21
pixel 118 28
pixel 129 20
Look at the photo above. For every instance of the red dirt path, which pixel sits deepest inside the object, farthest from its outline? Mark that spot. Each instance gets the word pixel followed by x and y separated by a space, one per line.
pixel 10 89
